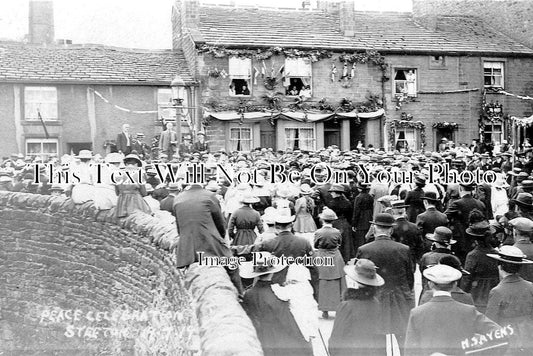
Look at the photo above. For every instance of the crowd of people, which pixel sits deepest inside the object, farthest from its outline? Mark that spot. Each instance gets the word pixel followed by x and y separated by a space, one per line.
pixel 471 242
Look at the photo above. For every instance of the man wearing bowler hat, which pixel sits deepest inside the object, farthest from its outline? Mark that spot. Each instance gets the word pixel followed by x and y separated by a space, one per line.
pixel 431 218
pixel 442 324
pixel 511 301
pixel 394 261
pixel 458 213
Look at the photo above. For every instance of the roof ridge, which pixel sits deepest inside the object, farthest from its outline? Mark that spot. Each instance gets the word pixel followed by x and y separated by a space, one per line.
pixel 259 7
pixel 86 46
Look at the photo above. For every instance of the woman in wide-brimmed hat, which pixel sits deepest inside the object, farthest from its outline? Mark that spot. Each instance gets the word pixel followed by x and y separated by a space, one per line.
pixel 130 194
pixel 358 327
pixel 243 222
pixel 331 282
pixel 483 269
pixel 304 208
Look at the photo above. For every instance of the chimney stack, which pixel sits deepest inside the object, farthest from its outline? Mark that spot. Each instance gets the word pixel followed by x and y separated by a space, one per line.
pixel 41 22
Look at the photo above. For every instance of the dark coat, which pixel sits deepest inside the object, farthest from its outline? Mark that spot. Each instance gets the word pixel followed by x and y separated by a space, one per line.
pixel 167 204
pixel 276 328
pixel 483 275
pixel 416 204
pixel 458 295
pixel 241 226
pixel 363 209
pixel 122 143
pixel 458 213
pixel 511 302
pixel 327 241
pixel 358 328
pixel 408 234
pixel 343 208
pixel 395 266
pixel 441 325
pixel 430 219
pixel 526 271
pixel 200 226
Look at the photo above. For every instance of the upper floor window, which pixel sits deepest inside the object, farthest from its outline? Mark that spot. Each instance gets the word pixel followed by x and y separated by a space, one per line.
pixel 298 76
pixel 240 74
pixel 493 74
pixel 164 100
pixel 41 100
pixel 405 82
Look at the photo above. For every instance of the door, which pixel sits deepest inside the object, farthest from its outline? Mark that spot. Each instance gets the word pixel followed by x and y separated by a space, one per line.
pixel 268 134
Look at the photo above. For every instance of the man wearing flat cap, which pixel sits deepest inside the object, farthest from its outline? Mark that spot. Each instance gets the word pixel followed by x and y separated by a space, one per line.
pixel 442 324
pixel 511 301
pixel 522 231
pixel 394 259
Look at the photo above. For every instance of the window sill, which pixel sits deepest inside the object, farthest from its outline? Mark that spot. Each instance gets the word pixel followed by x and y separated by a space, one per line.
pixel 38 122
pixel 240 96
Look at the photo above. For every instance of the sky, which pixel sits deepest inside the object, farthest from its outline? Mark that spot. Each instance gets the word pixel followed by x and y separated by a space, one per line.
pixel 131 23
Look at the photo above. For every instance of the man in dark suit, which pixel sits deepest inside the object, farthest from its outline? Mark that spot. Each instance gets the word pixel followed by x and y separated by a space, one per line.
pixel 458 213
pixel 442 324
pixel 429 220
pixel 363 209
pixel 124 140
pixel 200 145
pixel 406 232
pixel 395 266
pixel 414 199
pixel 167 203
pixel 201 228
pixel 168 141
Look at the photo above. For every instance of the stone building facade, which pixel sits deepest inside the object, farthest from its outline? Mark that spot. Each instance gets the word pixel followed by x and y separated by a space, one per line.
pixel 391 80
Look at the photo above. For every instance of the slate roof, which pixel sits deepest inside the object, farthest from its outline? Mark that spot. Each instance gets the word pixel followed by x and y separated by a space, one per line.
pixel 383 31
pixel 89 64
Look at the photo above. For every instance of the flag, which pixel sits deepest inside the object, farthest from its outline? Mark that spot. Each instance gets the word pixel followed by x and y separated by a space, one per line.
pixel 44 125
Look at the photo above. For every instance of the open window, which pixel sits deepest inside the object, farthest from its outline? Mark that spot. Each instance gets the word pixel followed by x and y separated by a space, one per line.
pixel 298 77
pixel 240 74
pixel 405 82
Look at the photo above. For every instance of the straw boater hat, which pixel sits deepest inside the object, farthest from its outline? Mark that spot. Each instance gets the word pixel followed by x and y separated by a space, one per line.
pixel 510 254
pixel 364 272
pixel 85 154
pixel 284 216
pixel 441 235
pixel 269 217
pixel 328 214
pixel 383 219
pixel 249 199
pixel 264 265
pixel 442 274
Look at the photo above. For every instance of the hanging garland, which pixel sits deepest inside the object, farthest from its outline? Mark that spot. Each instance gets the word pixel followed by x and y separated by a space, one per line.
pixel 446 125
pixel 403 124
pixel 373 57
pixel 264 54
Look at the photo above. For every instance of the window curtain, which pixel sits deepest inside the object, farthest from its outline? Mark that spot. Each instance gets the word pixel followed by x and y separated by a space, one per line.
pixel 235 139
pixel 307 139
pixel 290 137
pixel 246 139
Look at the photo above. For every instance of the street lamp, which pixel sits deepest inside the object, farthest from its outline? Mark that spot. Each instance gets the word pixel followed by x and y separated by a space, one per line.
pixel 177 87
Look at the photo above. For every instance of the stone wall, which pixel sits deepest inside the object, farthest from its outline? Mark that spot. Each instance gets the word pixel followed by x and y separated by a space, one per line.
pixel 76 280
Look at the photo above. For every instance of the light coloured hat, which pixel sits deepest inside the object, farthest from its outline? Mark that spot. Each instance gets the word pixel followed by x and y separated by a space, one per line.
pixel 364 272
pixel 85 154
pixel 266 263
pixel 442 274
pixel 149 188
pixel 269 216
pixel 284 216
pixel 328 214
pixel 306 189
pixel 114 157
pixel 522 224
pixel 212 186
pixel 510 254
pixel 249 199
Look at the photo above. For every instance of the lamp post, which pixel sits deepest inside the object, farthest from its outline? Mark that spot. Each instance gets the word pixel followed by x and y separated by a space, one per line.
pixel 178 94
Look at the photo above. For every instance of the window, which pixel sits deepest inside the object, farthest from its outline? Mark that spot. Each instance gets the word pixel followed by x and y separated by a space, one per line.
pixel 405 82
pixel 492 132
pixel 297 76
pixel 40 100
pixel 41 147
pixel 406 139
pixel 493 74
pixel 240 139
pixel 437 62
pixel 164 98
pixel 302 138
pixel 240 74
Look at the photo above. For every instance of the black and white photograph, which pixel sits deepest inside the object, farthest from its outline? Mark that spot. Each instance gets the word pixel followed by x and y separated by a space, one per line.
pixel 266 178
